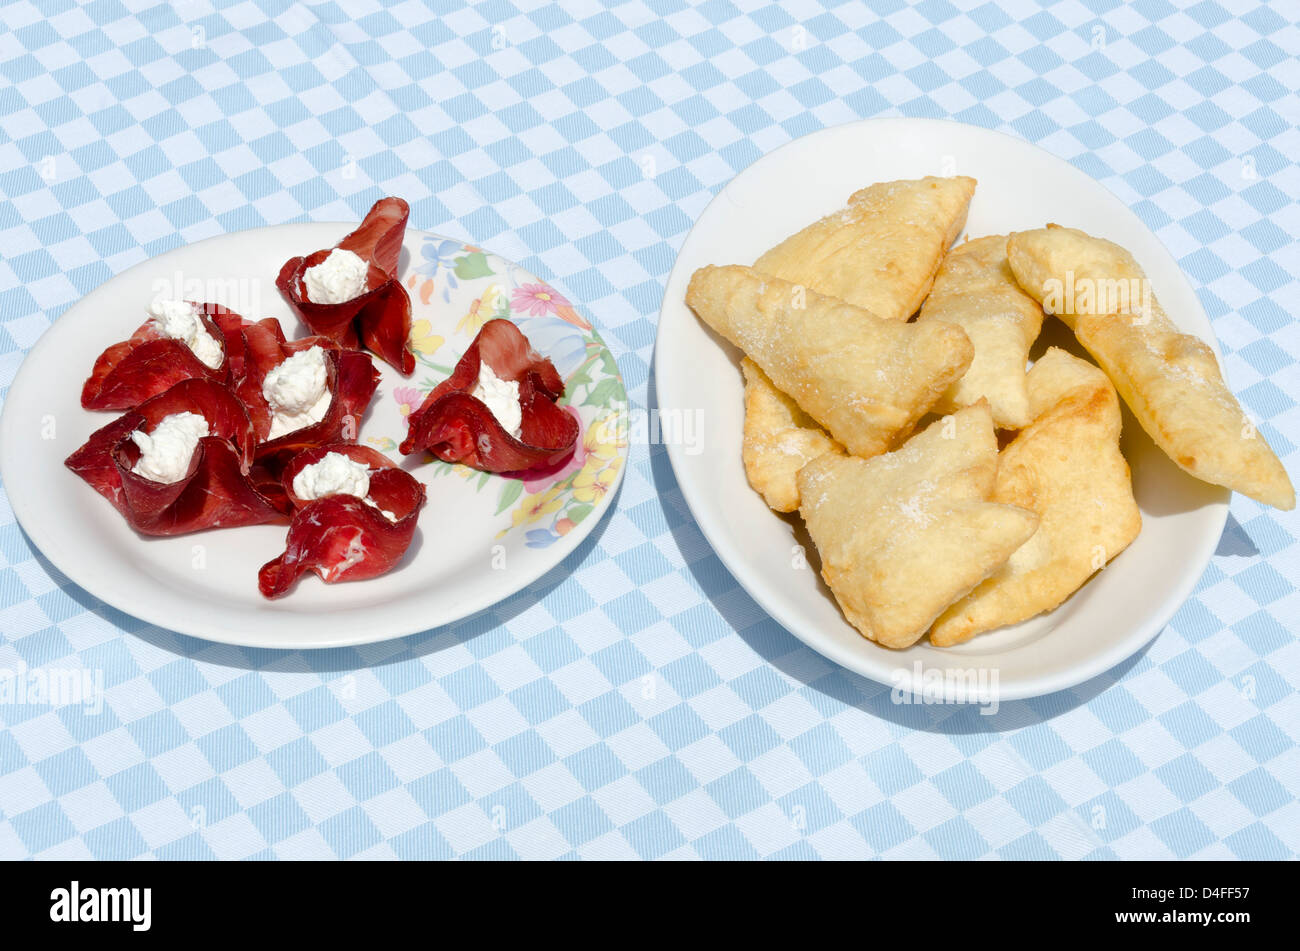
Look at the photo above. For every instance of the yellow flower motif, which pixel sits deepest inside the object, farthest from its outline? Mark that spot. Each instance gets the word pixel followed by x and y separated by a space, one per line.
pixel 536 507
pixel 423 339
pixel 590 485
pixel 604 438
pixel 493 303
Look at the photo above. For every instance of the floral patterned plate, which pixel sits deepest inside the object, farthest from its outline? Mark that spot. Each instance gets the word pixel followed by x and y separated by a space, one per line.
pixel 482 538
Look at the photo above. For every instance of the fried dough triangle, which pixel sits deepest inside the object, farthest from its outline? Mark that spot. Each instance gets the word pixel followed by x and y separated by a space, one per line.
pixel 904 535
pixel 1170 380
pixel 780 439
pixel 866 380
pixel 1066 466
pixel 976 290
pixel 882 251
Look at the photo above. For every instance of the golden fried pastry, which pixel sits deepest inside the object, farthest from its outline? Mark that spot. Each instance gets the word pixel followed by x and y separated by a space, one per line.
pixel 976 290
pixel 905 534
pixel 1170 380
pixel 780 439
pixel 882 251
pixel 866 380
pixel 1066 466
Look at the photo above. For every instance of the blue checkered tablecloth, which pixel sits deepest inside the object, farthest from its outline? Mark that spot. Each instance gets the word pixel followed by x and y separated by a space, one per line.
pixel 644 706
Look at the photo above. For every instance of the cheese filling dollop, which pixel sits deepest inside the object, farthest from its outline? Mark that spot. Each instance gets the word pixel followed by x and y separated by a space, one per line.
pixel 340 277
pixel 165 453
pixel 296 392
pixel 335 474
pixel 179 320
pixel 501 397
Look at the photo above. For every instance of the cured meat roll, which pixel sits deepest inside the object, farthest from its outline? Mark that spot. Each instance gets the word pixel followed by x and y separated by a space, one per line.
pixel 354 515
pixel 350 293
pixel 497 411
pixel 302 393
pixel 181 340
pixel 178 463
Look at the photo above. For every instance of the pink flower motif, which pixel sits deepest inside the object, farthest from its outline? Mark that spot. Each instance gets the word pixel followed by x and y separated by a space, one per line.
pixel 538 299
pixel 535 480
pixel 408 399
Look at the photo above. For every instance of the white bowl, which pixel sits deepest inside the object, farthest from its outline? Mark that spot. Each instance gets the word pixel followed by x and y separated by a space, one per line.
pixel 1020 187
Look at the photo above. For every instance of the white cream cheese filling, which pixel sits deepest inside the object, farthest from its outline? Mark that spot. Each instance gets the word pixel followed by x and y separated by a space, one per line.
pixel 166 452
pixel 340 277
pixel 336 474
pixel 179 320
pixel 501 397
pixel 296 392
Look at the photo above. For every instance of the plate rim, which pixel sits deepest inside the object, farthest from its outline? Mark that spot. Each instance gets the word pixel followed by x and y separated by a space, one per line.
pixel 79 575
pixel 902 678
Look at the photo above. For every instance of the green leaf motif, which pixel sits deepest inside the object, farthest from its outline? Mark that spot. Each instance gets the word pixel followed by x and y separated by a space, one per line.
pixel 603 393
pixel 472 265
pixel 579 512
pixel 512 490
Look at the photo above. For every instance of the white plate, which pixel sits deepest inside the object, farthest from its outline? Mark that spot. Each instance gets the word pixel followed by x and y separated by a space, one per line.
pixel 1020 186
pixel 475 544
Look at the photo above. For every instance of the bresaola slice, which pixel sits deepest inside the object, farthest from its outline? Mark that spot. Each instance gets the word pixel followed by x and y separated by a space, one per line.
pixel 215 492
pixel 233 327
pixel 457 427
pixel 351 378
pixel 380 317
pixel 343 537
pixel 149 362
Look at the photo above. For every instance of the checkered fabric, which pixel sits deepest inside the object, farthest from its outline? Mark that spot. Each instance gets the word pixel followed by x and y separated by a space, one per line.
pixel 636 703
